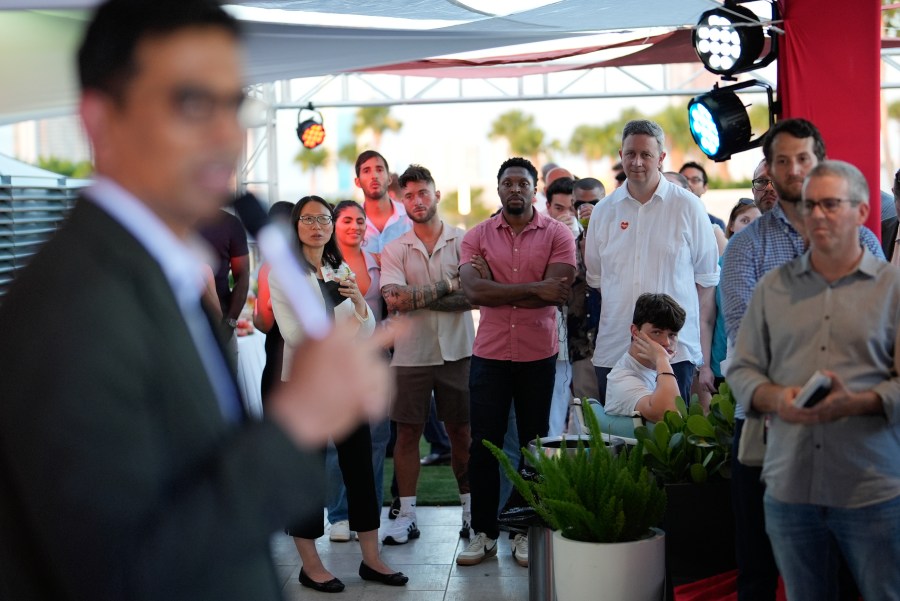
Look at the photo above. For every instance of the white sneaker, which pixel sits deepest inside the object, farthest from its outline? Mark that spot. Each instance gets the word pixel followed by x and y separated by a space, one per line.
pixel 340 532
pixel 478 550
pixel 466 529
pixel 519 547
pixel 401 530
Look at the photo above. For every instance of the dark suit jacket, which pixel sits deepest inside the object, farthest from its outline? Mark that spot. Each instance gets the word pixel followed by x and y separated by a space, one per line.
pixel 119 478
pixel 888 236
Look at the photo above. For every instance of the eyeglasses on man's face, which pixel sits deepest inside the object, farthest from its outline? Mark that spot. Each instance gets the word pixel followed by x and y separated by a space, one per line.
pixel 199 105
pixel 761 183
pixel 828 205
pixel 579 203
pixel 309 220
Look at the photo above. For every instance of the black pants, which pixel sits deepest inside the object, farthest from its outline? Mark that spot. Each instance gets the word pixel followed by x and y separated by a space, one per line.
pixel 757 572
pixel 493 387
pixel 355 459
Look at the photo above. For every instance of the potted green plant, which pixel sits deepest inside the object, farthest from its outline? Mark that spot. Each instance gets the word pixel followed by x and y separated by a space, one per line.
pixel 603 509
pixel 690 453
pixel 688 446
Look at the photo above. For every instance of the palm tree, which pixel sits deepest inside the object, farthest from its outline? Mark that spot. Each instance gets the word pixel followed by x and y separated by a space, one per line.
pixel 348 153
pixel 591 142
pixel 311 160
pixel 522 136
pixel 478 213
pixel 674 121
pixel 611 133
pixel 376 119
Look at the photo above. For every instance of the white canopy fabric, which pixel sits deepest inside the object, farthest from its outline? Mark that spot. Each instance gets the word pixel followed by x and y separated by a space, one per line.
pixel 38 46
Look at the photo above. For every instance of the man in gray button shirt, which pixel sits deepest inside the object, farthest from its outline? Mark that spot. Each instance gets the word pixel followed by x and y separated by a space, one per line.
pixel 831 471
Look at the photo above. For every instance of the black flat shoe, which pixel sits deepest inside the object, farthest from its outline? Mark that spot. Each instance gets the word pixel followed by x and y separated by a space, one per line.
pixel 395 579
pixel 332 586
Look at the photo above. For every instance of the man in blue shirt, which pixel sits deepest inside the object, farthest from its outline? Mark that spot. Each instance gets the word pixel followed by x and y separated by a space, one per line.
pixel 792 148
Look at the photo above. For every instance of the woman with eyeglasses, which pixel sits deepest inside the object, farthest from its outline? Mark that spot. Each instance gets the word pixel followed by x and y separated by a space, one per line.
pixel 313 221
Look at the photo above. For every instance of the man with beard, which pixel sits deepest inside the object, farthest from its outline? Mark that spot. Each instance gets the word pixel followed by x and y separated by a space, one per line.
pixel 420 279
pixel 792 148
pixel 385 218
pixel 518 266
pixel 385 221
pixel 763 191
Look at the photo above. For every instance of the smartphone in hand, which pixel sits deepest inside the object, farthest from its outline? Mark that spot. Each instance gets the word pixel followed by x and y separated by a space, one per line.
pixel 816 388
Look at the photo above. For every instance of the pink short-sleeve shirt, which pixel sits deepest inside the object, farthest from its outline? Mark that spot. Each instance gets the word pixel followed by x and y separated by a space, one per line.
pixel 507 332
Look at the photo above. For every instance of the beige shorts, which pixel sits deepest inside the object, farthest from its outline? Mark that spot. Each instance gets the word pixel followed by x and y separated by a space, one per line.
pixel 414 385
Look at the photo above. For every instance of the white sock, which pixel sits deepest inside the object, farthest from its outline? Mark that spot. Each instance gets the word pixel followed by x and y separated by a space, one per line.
pixel 408 505
pixel 466 501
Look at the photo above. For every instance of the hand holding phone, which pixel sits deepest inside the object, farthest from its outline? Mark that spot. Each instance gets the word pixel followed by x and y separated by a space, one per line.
pixel 816 388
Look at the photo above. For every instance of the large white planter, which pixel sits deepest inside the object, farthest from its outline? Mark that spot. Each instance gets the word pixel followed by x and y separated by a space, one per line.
pixel 634 571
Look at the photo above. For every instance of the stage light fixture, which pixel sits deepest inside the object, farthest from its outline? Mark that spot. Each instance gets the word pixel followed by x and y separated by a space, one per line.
pixel 310 131
pixel 730 39
pixel 719 122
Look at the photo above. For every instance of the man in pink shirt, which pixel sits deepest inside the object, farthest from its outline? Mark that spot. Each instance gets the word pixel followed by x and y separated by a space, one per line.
pixel 518 266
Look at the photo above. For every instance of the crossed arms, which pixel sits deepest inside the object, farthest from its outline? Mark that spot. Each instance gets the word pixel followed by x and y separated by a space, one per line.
pixel 481 289
pixel 443 295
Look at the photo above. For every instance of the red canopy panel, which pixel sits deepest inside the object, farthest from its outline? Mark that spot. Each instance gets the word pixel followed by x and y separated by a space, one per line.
pixel 672 47
pixel 667 48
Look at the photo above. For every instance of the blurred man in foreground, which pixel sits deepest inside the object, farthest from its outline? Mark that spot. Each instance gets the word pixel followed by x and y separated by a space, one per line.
pixel 127 467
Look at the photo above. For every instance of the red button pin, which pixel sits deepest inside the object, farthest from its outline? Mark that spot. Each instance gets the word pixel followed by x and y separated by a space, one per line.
pixel 624 225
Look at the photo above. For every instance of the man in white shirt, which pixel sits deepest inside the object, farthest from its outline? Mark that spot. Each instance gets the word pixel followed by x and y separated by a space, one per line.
pixel 643 380
pixel 652 236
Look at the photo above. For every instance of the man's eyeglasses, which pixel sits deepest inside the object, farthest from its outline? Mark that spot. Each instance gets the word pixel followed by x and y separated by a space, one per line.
pixel 828 205
pixel 578 203
pixel 309 220
pixel 694 180
pixel 199 105
pixel 761 183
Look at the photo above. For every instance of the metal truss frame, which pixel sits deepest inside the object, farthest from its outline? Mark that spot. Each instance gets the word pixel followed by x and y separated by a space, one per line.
pixel 372 89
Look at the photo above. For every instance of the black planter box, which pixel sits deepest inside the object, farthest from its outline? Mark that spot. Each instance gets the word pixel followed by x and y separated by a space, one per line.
pixel 699 527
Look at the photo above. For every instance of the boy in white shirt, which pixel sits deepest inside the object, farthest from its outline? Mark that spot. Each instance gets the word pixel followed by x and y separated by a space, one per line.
pixel 643 379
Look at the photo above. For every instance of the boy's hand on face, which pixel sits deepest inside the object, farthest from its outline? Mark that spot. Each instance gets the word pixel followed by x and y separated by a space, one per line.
pixel 648 350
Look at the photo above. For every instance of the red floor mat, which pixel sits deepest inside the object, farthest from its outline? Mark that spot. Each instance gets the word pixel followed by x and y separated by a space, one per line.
pixel 721 587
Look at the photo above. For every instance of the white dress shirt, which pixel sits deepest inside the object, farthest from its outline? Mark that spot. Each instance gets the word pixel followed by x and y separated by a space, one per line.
pixel 664 245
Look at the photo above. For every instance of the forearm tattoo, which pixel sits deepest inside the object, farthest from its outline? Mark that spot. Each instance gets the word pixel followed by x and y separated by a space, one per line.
pixel 455 301
pixel 410 298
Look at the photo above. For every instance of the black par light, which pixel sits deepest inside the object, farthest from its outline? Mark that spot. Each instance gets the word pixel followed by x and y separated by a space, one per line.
pixel 310 131
pixel 730 39
pixel 719 121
